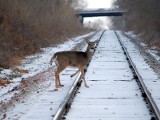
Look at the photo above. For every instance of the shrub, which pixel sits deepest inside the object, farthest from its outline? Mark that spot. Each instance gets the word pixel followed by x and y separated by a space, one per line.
pixel 143 18
pixel 28 25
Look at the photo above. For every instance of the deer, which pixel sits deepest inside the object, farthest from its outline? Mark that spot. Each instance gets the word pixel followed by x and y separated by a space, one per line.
pixel 77 59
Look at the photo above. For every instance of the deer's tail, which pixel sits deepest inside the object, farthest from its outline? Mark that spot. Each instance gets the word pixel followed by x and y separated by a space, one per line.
pixel 51 61
pixel 54 58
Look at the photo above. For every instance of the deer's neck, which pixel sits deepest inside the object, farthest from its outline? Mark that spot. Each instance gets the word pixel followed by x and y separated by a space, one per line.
pixel 89 53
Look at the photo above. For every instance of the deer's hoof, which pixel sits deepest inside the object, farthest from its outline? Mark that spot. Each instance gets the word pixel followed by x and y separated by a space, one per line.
pixel 86 86
pixel 56 89
pixel 71 76
pixel 59 86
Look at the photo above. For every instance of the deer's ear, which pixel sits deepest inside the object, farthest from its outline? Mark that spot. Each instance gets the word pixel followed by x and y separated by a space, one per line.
pixel 91 42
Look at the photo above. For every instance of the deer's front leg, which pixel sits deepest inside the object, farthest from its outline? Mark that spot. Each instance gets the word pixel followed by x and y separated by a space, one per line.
pixel 83 75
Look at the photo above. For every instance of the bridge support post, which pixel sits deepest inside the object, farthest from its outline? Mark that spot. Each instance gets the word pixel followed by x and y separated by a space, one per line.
pixel 81 19
pixel 124 22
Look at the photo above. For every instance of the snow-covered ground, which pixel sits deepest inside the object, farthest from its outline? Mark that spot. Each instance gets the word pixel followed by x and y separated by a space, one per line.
pixel 113 93
pixel 38 68
pixel 152 51
pixel 42 102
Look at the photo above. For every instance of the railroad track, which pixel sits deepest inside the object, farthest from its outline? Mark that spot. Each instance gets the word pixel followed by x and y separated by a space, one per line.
pixel 114 93
pixel 145 93
pixel 65 105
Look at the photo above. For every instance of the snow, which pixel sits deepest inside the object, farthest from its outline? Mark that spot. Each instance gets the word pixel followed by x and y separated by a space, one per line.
pixel 154 54
pixel 109 77
pixel 152 51
pixel 113 93
pixel 40 62
pixel 150 78
pixel 44 94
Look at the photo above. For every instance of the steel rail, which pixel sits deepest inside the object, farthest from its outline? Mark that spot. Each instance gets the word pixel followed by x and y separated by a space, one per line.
pixel 146 93
pixel 65 104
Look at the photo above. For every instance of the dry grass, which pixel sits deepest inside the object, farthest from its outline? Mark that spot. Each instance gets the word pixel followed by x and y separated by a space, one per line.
pixel 4 82
pixel 28 25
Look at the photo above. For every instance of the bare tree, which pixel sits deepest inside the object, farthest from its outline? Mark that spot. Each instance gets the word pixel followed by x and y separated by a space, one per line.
pixel 143 17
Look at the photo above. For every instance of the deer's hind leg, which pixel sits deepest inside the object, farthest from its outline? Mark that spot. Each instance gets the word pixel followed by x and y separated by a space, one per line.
pixel 57 78
pixel 75 73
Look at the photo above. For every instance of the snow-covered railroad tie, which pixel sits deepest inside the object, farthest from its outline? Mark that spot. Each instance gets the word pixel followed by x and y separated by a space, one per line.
pixel 114 93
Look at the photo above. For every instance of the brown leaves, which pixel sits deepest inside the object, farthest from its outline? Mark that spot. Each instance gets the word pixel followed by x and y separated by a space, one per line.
pixel 4 82
pixel 4 116
pixel 21 70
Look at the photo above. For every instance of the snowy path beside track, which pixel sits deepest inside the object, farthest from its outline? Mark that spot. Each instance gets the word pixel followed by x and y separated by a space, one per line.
pixel 41 100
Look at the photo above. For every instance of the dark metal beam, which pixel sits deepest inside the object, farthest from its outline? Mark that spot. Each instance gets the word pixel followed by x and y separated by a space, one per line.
pixel 100 12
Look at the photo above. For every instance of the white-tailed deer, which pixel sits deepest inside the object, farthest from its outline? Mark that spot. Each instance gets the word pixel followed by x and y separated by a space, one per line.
pixel 74 59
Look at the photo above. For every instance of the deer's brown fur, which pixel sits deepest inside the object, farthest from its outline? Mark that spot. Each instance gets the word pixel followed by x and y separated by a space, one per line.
pixel 71 58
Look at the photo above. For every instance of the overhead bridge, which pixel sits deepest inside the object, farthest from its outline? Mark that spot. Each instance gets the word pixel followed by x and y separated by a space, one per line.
pixel 101 12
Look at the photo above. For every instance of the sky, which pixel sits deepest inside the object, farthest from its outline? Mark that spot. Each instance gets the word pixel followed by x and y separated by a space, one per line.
pixel 97 4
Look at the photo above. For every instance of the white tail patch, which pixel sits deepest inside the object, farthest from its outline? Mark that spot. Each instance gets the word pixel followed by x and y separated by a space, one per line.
pixel 56 62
